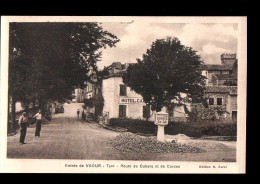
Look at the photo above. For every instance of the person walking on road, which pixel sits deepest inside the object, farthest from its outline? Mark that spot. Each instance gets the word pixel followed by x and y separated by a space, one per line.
pixel 83 115
pixel 38 117
pixel 78 111
pixel 23 123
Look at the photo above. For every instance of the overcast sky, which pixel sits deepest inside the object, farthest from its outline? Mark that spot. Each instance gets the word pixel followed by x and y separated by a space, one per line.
pixel 210 40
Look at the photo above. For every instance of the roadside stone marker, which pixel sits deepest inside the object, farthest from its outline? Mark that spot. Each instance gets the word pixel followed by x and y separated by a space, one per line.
pixel 161 119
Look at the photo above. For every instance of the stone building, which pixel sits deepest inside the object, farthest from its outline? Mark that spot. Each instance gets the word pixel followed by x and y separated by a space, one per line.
pixel 221 85
pixel 224 80
pixel 223 99
pixel 227 69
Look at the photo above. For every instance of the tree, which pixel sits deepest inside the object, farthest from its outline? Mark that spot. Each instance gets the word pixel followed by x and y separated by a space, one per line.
pixel 166 72
pixel 49 60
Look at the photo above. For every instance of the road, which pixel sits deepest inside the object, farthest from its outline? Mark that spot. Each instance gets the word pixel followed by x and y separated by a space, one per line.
pixel 67 137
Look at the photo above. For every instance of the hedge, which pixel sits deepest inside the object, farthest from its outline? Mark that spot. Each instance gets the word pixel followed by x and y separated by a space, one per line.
pixel 203 128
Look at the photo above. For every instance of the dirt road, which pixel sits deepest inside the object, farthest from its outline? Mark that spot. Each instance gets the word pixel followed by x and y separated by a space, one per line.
pixel 67 137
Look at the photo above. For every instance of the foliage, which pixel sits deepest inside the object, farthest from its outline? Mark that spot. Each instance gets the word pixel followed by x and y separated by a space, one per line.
pixel 49 60
pixel 199 129
pixel 56 56
pixel 198 114
pixel 89 102
pixel 167 70
pixel 134 125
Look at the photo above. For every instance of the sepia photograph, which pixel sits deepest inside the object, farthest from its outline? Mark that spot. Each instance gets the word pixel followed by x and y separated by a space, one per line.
pixel 123 94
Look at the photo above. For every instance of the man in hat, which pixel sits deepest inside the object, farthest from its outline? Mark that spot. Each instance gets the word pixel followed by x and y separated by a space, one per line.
pixel 23 123
pixel 38 117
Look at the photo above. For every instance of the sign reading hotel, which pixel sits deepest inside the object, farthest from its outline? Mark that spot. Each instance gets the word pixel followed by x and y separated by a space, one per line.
pixel 130 100
pixel 161 119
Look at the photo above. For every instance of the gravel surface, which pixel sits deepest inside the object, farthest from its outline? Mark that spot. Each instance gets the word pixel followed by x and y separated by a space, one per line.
pixel 130 142
pixel 206 145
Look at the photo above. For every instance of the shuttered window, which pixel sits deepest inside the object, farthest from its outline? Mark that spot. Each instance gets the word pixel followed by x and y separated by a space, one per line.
pixel 122 90
pixel 219 101
pixel 122 111
pixel 211 101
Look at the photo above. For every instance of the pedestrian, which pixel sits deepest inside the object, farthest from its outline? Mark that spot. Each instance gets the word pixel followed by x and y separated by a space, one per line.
pixel 23 123
pixel 78 113
pixel 38 117
pixel 83 115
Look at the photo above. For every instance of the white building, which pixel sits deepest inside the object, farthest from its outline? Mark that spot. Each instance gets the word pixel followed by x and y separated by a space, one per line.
pixel 120 101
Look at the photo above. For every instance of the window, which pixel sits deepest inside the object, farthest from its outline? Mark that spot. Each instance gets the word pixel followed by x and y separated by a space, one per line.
pixel 219 101
pixel 122 111
pixel 211 101
pixel 146 111
pixel 122 90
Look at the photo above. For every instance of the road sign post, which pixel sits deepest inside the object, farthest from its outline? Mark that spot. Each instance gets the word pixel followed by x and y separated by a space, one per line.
pixel 161 119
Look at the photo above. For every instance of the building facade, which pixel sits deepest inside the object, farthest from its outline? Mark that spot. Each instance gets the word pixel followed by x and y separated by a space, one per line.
pixel 221 86
pixel 221 93
pixel 223 99
pixel 120 101
pixel 80 95
pixel 227 69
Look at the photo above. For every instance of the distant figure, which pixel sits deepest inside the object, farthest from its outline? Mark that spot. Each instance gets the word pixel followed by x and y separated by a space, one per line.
pixel 78 111
pixel 23 123
pixel 38 117
pixel 83 115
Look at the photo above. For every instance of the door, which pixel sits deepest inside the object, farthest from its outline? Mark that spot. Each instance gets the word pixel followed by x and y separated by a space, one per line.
pixel 122 111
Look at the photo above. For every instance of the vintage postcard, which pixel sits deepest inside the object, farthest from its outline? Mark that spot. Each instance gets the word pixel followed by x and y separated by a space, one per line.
pixel 123 94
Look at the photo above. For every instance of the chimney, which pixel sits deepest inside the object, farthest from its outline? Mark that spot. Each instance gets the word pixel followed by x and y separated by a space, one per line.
pixel 228 59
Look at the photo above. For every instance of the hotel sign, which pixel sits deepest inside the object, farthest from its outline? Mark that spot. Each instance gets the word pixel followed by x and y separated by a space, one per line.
pixel 129 100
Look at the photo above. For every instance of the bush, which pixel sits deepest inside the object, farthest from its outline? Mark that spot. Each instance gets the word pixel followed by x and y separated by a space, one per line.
pixel 134 125
pixel 210 128
pixel 199 129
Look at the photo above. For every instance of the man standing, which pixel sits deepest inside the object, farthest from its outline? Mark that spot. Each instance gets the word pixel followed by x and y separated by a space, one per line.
pixel 78 111
pixel 38 117
pixel 23 123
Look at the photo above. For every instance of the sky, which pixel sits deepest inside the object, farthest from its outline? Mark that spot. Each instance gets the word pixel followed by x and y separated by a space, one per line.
pixel 209 40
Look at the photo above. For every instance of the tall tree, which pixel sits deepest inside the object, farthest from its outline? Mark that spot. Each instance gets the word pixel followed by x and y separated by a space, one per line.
pixel 49 60
pixel 167 70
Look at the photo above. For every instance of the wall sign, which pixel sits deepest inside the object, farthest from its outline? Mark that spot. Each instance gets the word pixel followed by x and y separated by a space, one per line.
pixel 130 100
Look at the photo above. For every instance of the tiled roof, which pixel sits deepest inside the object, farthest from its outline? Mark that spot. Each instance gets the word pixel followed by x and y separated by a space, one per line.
pixel 225 76
pixel 221 89
pixel 216 89
pixel 217 67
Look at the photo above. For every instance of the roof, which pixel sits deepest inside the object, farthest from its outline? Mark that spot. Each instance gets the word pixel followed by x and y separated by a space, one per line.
pixel 217 67
pixel 225 76
pixel 232 90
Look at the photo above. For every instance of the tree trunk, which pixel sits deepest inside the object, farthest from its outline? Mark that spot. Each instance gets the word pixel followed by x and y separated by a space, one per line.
pixel 158 107
pixel 13 123
pixel 33 106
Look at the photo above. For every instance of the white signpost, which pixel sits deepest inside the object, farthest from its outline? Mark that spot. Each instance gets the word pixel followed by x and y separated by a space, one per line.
pixel 161 119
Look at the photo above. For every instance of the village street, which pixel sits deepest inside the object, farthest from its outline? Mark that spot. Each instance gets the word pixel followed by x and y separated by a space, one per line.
pixel 67 137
